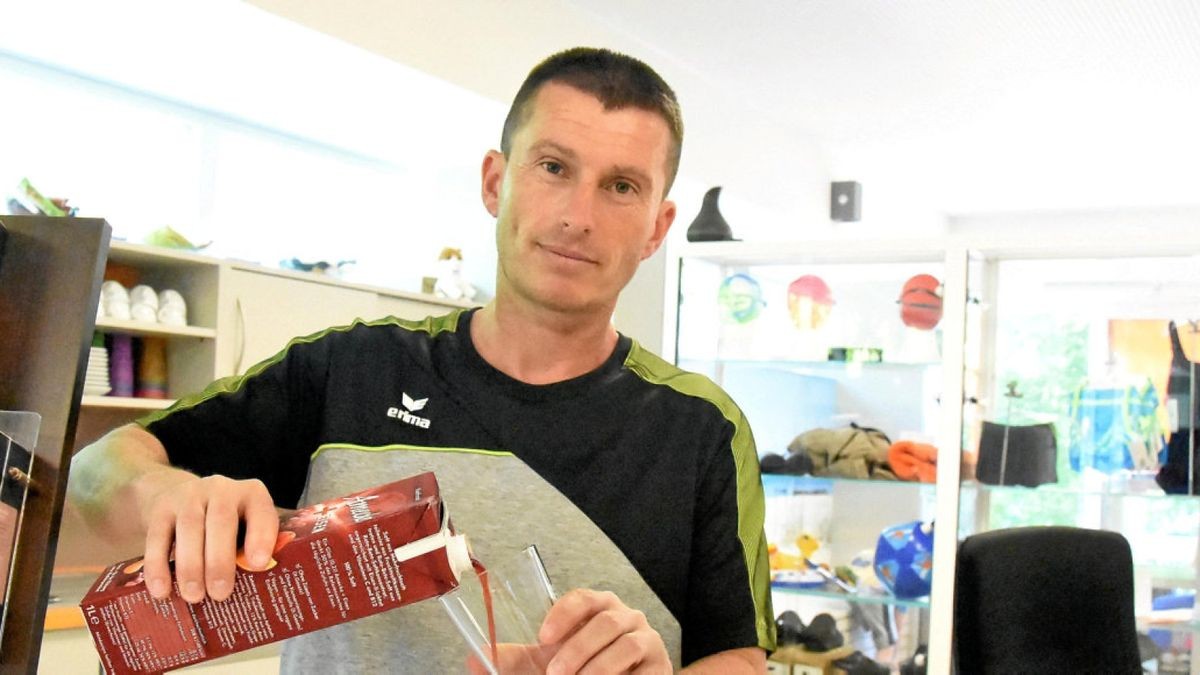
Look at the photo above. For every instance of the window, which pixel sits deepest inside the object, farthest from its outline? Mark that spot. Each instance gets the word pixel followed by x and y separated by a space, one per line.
pixel 312 149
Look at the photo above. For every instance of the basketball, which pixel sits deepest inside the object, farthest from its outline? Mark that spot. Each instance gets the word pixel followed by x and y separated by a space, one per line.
pixel 921 302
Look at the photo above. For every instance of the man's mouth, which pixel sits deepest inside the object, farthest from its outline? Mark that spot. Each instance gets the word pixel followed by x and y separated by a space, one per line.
pixel 569 253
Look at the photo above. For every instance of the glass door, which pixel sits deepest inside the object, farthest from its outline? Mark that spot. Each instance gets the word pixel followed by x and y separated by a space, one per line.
pixel 1080 410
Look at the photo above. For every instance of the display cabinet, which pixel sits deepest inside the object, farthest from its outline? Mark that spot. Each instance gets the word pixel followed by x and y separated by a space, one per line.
pixel 1057 385
pixel 190 349
pixel 834 353
pixel 1080 380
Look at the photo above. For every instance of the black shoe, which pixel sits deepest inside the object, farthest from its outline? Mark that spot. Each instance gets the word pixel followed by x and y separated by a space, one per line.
pixel 859 664
pixel 772 463
pixel 788 628
pixel 798 464
pixel 822 634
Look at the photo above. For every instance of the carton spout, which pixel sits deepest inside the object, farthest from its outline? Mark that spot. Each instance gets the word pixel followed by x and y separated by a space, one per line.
pixel 458 553
pixel 458 550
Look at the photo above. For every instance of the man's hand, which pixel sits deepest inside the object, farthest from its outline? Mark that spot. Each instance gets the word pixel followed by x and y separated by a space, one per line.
pixel 200 517
pixel 600 634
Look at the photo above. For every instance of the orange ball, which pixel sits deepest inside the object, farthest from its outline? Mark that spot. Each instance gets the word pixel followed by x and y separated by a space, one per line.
pixel 921 302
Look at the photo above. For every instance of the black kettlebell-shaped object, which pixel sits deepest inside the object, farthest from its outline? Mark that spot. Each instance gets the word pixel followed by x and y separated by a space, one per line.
pixel 709 224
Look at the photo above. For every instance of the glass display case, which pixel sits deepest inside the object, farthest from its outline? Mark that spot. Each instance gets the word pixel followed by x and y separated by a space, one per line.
pixel 1081 409
pixel 834 354
pixel 1054 376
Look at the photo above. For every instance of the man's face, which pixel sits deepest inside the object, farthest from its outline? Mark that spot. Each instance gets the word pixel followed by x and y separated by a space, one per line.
pixel 579 201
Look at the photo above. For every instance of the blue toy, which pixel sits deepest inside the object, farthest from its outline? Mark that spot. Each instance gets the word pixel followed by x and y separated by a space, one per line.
pixel 904 559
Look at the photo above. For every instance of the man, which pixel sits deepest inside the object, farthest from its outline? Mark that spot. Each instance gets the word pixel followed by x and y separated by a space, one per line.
pixel 637 481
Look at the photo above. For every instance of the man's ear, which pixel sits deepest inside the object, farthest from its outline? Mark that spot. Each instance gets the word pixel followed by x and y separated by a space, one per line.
pixel 493 181
pixel 662 225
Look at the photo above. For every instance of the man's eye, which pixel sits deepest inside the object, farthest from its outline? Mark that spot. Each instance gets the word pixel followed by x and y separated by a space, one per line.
pixel 553 167
pixel 623 188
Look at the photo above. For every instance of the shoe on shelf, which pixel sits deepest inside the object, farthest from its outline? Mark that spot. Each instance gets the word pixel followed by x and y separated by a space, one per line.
pixel 822 634
pixel 788 628
pixel 860 664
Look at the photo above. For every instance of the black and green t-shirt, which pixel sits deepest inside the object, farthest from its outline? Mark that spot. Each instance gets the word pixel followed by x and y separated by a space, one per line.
pixel 637 477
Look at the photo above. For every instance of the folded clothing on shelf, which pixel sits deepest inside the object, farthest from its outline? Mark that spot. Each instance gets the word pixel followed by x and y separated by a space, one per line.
pixel 913 461
pixel 849 452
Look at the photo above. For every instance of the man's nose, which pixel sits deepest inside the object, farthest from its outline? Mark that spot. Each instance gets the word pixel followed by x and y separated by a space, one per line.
pixel 580 212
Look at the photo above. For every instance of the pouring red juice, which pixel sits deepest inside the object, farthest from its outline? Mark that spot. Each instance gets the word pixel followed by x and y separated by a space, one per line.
pixel 481 572
pixel 336 561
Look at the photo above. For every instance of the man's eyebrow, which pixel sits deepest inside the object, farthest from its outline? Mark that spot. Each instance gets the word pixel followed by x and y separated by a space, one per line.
pixel 633 172
pixel 553 148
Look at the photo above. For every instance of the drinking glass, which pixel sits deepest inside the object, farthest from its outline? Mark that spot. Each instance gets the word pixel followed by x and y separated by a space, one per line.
pixel 521 594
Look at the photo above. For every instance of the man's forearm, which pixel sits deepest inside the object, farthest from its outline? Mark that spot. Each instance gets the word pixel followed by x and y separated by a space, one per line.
pixel 731 662
pixel 111 479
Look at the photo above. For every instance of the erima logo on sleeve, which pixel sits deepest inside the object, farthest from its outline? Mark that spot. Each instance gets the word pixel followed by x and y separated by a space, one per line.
pixel 411 406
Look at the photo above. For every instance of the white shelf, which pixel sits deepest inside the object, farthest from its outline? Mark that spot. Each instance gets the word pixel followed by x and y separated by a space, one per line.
pixel 812 252
pixel 1174 620
pixel 126 402
pixel 782 484
pixel 861 598
pixel 1077 492
pixel 142 254
pixel 330 280
pixel 154 329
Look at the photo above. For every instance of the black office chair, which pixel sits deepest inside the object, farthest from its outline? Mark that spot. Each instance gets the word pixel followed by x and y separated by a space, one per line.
pixel 1045 600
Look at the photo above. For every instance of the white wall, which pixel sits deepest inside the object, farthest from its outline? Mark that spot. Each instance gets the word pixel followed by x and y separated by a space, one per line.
pixel 779 173
pixel 225 77
pixel 363 91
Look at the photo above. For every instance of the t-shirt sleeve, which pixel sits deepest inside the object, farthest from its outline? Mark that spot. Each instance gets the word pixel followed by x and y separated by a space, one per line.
pixel 264 424
pixel 729 594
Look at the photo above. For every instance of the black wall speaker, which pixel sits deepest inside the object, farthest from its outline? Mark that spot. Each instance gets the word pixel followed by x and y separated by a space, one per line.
pixel 845 201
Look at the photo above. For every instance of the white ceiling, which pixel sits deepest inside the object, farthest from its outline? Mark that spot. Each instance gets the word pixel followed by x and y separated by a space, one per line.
pixel 852 69
pixel 937 106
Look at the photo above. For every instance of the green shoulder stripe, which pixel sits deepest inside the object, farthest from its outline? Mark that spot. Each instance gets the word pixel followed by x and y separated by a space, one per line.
pixel 750 500
pixel 231 384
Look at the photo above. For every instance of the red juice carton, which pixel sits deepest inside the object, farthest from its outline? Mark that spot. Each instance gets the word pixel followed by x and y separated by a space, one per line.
pixel 336 561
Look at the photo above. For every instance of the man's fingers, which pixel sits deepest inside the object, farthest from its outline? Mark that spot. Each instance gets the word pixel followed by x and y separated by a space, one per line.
pixel 220 547
pixel 622 655
pixel 160 532
pixel 572 609
pixel 262 525
pixel 517 659
pixel 189 548
pixel 199 518
pixel 598 636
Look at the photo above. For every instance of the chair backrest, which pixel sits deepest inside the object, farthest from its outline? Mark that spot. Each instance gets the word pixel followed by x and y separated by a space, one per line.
pixel 1045 600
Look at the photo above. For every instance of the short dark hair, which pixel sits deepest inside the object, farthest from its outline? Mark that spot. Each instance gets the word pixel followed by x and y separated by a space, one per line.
pixel 617 80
